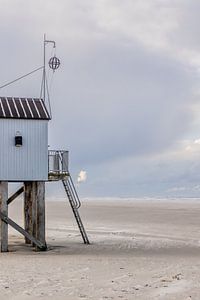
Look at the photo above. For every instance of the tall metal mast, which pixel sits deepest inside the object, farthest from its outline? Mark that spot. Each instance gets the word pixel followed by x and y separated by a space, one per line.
pixel 44 64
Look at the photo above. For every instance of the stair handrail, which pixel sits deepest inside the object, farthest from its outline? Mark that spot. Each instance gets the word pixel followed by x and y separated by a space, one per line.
pixel 76 197
pixel 72 195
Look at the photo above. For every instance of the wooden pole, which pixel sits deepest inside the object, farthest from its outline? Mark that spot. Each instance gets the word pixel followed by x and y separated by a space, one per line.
pixel 40 212
pixel 28 206
pixel 4 210
pixel 34 211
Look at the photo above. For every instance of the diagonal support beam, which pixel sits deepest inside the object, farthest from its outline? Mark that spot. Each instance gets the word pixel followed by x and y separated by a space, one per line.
pixel 15 195
pixel 22 231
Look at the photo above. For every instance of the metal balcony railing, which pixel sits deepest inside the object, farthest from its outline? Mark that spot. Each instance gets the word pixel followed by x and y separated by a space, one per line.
pixel 58 164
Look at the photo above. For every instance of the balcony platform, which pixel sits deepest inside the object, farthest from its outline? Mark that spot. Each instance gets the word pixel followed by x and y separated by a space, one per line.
pixel 58 165
pixel 56 176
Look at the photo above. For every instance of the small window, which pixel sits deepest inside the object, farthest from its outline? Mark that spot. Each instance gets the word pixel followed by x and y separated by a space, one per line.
pixel 18 140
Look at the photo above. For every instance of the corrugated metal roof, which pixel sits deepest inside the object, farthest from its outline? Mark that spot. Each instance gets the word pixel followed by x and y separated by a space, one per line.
pixel 23 108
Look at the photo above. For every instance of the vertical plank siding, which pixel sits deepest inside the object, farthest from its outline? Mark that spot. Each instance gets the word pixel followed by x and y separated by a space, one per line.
pixel 30 161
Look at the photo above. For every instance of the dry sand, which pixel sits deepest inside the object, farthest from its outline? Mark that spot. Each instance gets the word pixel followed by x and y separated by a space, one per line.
pixel 139 250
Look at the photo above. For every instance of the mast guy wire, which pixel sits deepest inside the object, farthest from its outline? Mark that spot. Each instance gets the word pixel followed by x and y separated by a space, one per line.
pixel 1 87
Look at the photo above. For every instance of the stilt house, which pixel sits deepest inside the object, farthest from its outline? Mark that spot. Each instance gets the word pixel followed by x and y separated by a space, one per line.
pixel 24 157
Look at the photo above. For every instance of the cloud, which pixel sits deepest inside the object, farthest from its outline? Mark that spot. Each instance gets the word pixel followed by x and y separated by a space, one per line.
pixel 128 101
pixel 82 176
pixel 197 141
pixel 174 172
pixel 127 90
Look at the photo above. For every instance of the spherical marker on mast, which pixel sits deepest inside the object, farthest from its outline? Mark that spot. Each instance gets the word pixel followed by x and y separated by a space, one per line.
pixel 54 63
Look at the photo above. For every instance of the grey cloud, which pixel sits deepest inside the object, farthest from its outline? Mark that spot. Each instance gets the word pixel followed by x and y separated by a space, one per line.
pixel 113 97
pixel 185 36
pixel 164 176
pixel 122 100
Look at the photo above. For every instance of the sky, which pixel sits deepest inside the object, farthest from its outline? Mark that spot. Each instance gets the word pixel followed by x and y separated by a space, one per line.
pixel 126 98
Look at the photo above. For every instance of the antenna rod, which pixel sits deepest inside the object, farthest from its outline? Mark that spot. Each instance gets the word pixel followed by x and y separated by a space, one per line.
pixel 44 70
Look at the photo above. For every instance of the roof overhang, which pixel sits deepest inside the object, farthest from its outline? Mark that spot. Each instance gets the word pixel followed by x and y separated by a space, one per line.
pixel 23 108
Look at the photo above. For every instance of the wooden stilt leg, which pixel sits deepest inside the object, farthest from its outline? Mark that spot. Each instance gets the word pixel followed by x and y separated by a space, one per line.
pixel 40 212
pixel 34 212
pixel 4 210
pixel 28 205
pixel 30 219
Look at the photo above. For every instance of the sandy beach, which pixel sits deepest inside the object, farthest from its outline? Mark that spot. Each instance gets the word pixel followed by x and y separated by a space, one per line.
pixel 140 249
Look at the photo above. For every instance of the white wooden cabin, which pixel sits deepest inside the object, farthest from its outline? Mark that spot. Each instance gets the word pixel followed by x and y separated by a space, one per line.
pixel 23 139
